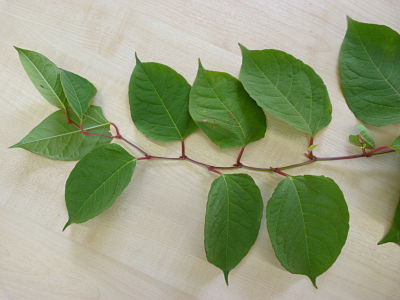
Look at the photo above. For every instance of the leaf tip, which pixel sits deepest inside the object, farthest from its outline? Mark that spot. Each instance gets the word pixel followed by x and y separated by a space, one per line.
pixel 242 48
pixel 19 50
pixel 385 240
pixel 313 281
pixel 226 273
pixel 67 224
pixel 14 146
pixel 200 64
pixel 350 20
pixel 137 58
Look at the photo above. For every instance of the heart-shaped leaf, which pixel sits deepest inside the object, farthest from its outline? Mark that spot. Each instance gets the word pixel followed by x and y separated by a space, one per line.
pixel 308 222
pixel 96 181
pixel 369 68
pixel 287 88
pixel 159 101
pixel 393 236
pixel 78 92
pixel 224 111
pixel 44 75
pixel 54 138
pixel 233 216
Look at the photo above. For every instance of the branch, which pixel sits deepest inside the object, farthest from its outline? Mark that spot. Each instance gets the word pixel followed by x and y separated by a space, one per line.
pixel 116 136
pixel 238 164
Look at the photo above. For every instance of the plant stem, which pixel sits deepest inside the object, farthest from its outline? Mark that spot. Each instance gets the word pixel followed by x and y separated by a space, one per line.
pixel 376 151
pixel 310 154
pixel 278 171
pixel 116 136
pixel 134 146
pixel 311 157
pixel 238 163
pixel 183 154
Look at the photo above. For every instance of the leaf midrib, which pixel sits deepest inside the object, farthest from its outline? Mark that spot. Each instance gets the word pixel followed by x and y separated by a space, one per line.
pixel 66 76
pixel 227 223
pixel 64 134
pixel 223 104
pixel 304 224
pixel 373 63
pixel 163 104
pixel 41 75
pixel 101 185
pixel 283 96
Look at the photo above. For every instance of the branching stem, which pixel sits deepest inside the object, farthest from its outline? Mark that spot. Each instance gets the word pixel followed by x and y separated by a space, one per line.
pixel 183 154
pixel 238 164
pixel 116 136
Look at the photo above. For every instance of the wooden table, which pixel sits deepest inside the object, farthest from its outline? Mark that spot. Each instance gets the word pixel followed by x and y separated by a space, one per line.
pixel 149 245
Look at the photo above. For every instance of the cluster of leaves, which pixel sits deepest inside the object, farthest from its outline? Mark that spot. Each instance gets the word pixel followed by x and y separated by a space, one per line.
pixel 307 216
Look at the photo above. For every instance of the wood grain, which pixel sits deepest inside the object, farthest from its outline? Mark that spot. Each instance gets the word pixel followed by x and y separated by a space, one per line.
pixel 149 245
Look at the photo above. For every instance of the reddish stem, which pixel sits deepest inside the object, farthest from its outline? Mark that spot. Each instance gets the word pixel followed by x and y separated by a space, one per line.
pixel 183 154
pixel 214 171
pixel 310 154
pixel 117 133
pixel 311 141
pixel 69 121
pixel 376 151
pixel 277 170
pixel 239 157
pixel 134 146
pixel 238 164
pixel 116 136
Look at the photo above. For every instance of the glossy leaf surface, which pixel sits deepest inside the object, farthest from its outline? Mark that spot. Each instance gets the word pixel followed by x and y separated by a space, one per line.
pixel 308 222
pixel 233 216
pixel 369 68
pixel 96 181
pixel 78 92
pixel 159 102
pixel 44 75
pixel 287 88
pixel 224 111
pixel 54 138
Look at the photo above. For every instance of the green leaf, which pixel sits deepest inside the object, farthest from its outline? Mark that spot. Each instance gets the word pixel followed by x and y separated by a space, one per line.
pixel 96 181
pixel 56 139
pixel 78 92
pixel 395 145
pixel 308 222
pixel 159 100
pixel 45 76
pixel 394 233
pixel 312 147
pixel 369 68
pixel 287 88
pixel 366 136
pixel 233 216
pixel 355 140
pixel 221 108
pixel 363 139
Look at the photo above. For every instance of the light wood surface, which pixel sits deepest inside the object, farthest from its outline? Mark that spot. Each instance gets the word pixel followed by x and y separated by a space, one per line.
pixel 149 245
